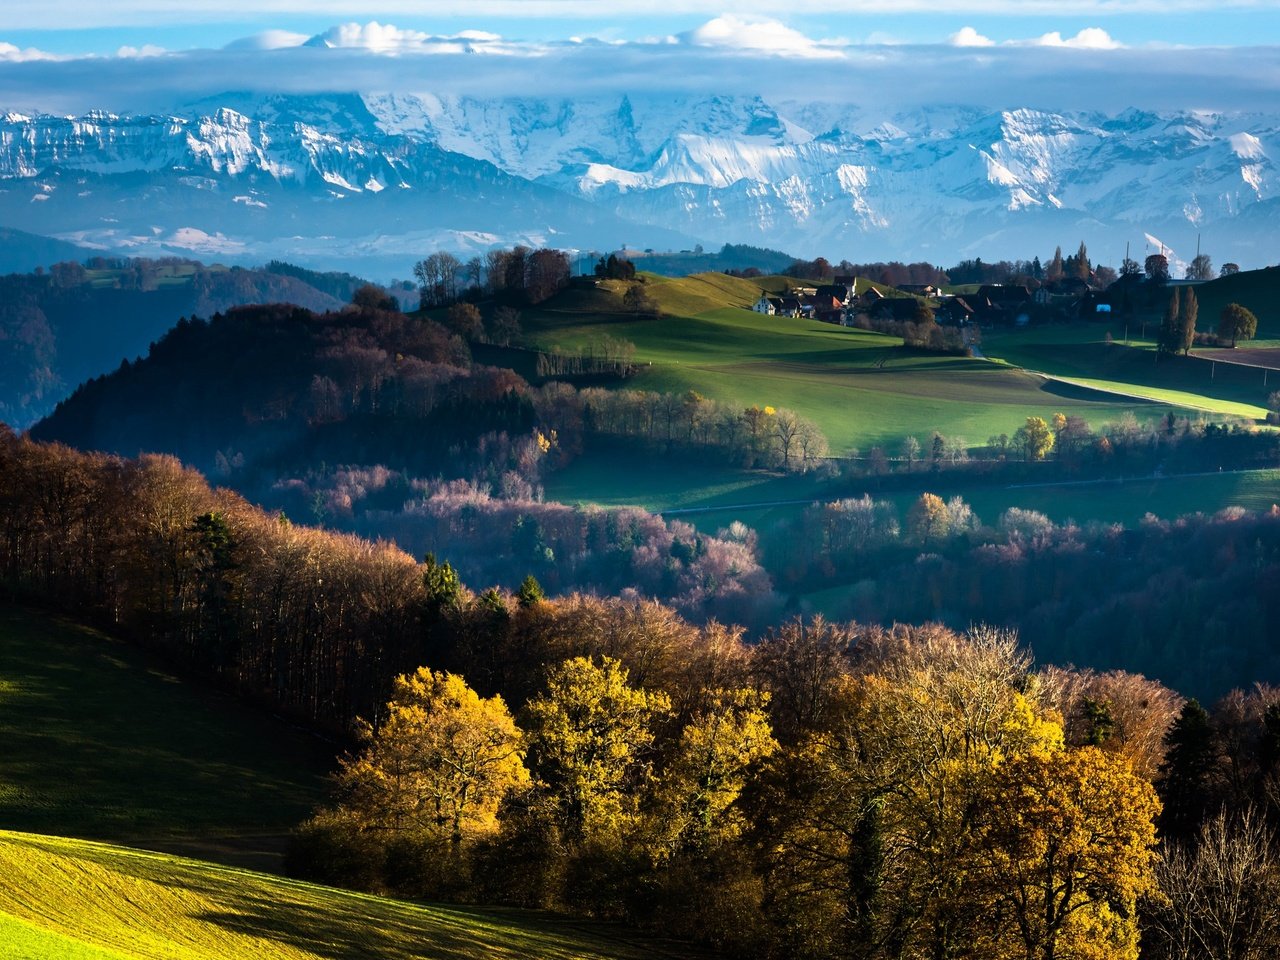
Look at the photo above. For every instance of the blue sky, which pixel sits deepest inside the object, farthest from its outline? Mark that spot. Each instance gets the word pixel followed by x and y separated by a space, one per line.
pixel 104 27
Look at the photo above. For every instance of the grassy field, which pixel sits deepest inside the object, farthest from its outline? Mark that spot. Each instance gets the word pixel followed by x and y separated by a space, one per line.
pixel 861 388
pixel 100 742
pixel 711 497
pixel 1124 502
pixel 75 899
pixel 1080 354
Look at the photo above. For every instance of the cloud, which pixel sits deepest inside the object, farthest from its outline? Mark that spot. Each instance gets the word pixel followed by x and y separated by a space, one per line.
pixel 730 55
pixel 269 40
pixel 372 36
pixel 11 54
pixel 762 36
pixel 146 50
pixel 1090 38
pixel 969 37
pixel 388 39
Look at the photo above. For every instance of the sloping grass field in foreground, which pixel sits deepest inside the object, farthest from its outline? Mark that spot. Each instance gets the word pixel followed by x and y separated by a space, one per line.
pixel 100 741
pixel 76 899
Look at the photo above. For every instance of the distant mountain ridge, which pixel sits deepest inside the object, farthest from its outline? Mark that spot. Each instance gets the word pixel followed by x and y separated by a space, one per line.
pixel 383 178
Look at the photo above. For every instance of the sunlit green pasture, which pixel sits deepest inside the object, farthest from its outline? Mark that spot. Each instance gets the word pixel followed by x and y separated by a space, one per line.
pixel 62 898
pixel 1080 354
pixel 862 388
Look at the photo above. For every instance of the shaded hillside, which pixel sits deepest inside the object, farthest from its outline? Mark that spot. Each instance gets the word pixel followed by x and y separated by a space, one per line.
pixel 58 329
pixel 220 778
pixel 278 386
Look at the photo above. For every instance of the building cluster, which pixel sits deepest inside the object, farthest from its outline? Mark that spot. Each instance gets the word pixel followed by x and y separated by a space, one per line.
pixel 992 304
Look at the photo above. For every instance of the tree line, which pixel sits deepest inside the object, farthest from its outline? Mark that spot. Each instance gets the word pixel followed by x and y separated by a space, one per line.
pixel 521 275
pixel 828 790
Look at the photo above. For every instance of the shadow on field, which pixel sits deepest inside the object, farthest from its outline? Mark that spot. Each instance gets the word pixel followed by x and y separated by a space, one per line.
pixel 390 929
pixel 1073 391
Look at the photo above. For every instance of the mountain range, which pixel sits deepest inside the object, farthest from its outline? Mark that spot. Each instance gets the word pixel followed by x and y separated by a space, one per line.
pixel 375 181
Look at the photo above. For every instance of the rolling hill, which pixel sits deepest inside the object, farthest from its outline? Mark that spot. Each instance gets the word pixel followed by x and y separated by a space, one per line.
pixel 862 388
pixel 102 742
pixel 78 900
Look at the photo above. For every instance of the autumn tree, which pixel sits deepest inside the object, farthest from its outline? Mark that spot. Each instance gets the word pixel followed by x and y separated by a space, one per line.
pixel 1122 713
pixel 439 764
pixel 464 319
pixel 1219 896
pixel 1034 438
pixel 637 300
pixel 1067 840
pixel 504 328
pixel 869 825
pixel 372 297
pixel 1055 270
pixel 718 747
pixel 1156 267
pixel 929 520
pixel 1080 266
pixel 910 451
pixel 591 732
pixel 1236 323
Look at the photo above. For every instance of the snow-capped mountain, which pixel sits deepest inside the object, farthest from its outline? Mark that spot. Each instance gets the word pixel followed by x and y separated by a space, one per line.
pixel 390 176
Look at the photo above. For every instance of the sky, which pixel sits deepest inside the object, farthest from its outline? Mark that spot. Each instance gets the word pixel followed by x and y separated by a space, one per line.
pixel 69 56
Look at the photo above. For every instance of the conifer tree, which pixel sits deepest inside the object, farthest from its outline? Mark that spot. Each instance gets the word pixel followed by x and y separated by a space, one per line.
pixel 1185 776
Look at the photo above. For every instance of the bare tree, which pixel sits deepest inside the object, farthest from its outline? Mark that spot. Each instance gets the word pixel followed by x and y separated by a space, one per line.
pixel 1220 898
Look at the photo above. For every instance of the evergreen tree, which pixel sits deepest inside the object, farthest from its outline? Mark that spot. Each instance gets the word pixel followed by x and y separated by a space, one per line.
pixel 441 583
pixel 1185 780
pixel 530 594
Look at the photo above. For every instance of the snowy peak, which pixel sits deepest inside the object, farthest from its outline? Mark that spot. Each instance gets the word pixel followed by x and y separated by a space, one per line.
pixel 812 178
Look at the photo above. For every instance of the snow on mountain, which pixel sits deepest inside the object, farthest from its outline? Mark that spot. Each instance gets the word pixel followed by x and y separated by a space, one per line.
pixel 376 174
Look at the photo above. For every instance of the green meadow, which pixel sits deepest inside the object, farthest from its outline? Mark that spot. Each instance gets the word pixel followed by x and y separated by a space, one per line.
pixel 862 388
pixel 102 742
pixel 80 900
pixel 1079 353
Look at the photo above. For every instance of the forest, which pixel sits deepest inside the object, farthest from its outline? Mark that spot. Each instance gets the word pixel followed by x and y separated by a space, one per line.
pixel 827 790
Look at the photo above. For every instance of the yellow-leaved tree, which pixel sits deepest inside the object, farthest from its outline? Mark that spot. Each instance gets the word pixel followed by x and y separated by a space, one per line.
pixel 591 732
pixel 871 826
pixel 1068 838
pixel 440 763
pixel 718 748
